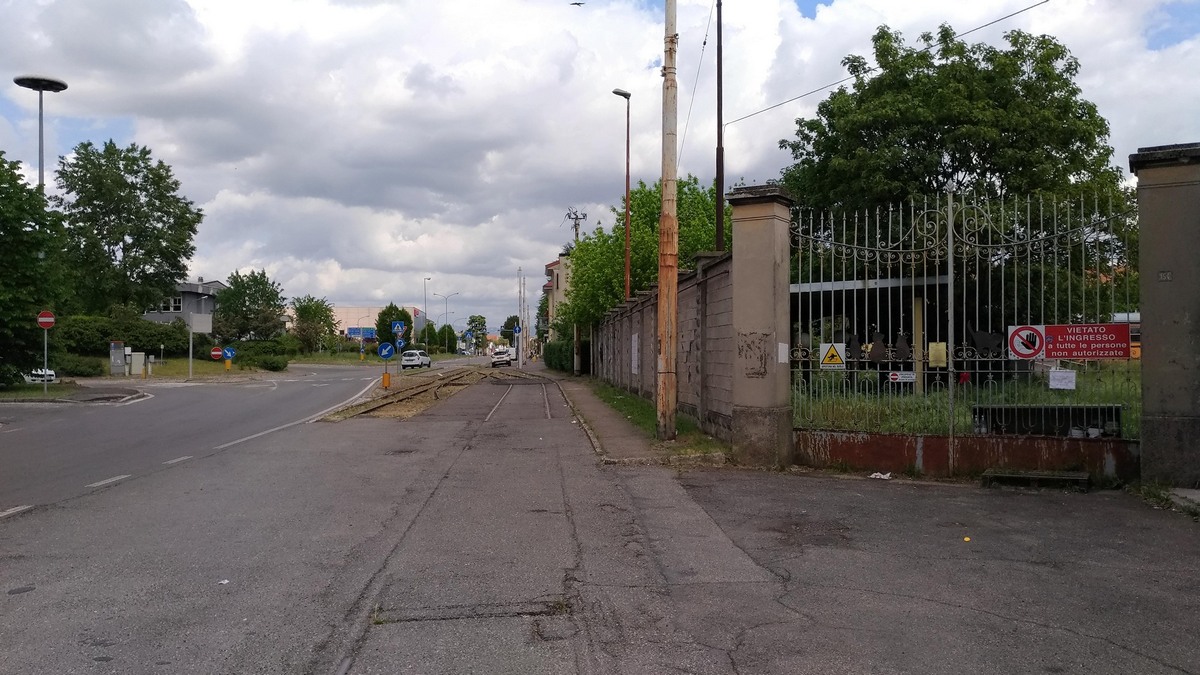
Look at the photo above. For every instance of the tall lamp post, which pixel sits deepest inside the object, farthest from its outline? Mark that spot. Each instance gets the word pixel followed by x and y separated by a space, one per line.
pixel 40 85
pixel 626 95
pixel 425 309
pixel 446 299
pixel 362 343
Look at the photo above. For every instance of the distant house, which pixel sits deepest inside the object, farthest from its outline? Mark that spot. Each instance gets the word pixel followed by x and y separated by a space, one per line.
pixel 555 288
pixel 190 298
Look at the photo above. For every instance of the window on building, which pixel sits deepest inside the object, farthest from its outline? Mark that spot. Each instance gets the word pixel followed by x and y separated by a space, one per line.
pixel 171 304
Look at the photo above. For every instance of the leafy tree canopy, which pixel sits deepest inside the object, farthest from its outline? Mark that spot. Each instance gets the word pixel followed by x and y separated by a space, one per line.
pixel 30 273
pixel 949 116
pixel 597 264
pixel 447 338
pixel 129 230
pixel 250 308
pixel 383 324
pixel 506 331
pixel 314 322
pixel 477 324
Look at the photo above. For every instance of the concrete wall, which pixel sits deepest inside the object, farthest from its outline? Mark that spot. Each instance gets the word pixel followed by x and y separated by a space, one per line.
pixel 1169 225
pixel 625 344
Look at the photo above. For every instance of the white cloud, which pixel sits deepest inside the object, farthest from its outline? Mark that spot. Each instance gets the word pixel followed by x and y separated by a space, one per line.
pixel 351 147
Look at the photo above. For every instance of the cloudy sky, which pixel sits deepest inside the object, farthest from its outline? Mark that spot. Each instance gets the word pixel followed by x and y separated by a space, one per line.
pixel 353 147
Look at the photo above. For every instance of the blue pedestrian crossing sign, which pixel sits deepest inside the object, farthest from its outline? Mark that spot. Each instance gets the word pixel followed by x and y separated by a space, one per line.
pixel 397 327
pixel 386 351
pixel 400 343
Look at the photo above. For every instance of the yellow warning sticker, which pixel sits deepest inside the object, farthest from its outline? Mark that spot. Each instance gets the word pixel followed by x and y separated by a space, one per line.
pixel 833 356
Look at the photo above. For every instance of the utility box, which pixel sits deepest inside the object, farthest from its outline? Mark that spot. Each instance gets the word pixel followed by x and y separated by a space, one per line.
pixel 137 363
pixel 116 358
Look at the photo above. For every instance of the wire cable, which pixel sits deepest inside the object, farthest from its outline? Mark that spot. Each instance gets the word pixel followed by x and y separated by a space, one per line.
pixel 847 79
pixel 696 84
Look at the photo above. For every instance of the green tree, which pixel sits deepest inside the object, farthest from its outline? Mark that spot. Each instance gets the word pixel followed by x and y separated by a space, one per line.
pixel 251 307
pixel 30 271
pixel 543 317
pixel 129 230
pixel 383 324
pixel 949 116
pixel 429 334
pixel 598 260
pixel 506 331
pixel 478 326
pixel 447 338
pixel 314 322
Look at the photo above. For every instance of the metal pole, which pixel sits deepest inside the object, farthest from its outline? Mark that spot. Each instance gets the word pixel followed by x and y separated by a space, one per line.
pixel 626 95
pixel 41 145
pixel 627 293
pixel 720 222
pixel 190 338
pixel 425 306
pixel 668 238
pixel 45 359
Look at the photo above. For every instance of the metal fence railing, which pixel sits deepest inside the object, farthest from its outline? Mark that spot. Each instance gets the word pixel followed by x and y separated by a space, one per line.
pixel 962 316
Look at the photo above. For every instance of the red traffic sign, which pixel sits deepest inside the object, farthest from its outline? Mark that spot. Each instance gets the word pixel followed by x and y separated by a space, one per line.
pixel 46 320
pixel 215 353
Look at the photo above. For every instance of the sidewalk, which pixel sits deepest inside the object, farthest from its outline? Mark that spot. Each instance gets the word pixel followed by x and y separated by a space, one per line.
pixel 614 438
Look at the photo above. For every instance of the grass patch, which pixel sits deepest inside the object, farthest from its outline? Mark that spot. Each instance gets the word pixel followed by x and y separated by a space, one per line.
pixel 858 401
pixel 689 438
pixel 33 391
pixel 1159 496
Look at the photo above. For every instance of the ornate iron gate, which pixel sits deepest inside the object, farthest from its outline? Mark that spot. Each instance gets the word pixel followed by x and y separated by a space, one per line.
pixel 909 319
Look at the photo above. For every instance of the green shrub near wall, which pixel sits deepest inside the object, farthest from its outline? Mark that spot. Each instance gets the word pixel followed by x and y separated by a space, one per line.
pixel 560 355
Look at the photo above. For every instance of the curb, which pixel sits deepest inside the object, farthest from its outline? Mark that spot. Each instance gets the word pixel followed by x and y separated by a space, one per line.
pixel 592 437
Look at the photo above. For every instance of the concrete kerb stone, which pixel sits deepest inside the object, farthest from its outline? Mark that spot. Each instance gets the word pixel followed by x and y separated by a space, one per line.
pixel 1186 499
pixel 592 438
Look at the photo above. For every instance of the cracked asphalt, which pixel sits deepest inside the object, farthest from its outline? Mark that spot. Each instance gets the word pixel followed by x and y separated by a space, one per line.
pixel 485 536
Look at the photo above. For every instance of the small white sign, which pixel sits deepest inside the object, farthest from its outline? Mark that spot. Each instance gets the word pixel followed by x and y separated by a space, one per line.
pixel 902 376
pixel 784 352
pixel 633 351
pixel 1062 379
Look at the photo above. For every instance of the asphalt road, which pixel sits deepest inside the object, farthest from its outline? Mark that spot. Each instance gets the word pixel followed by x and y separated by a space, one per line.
pixel 482 536
pixel 55 451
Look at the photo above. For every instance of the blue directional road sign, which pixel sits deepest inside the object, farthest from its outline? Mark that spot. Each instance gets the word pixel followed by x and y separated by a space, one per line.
pixel 229 353
pixel 517 330
pixel 400 343
pixel 397 327
pixel 386 351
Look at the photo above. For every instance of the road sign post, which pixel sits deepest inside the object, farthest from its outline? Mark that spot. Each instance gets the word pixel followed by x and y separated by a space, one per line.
pixel 386 352
pixel 45 320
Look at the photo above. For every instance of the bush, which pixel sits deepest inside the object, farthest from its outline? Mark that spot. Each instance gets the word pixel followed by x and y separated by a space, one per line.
pixel 560 355
pixel 272 363
pixel 78 366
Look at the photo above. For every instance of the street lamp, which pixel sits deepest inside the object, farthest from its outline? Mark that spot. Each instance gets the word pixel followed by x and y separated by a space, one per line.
pixel 40 85
pixel 446 298
pixel 425 309
pixel 626 95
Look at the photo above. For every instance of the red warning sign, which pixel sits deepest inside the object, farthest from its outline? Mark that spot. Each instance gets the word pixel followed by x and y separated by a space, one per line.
pixel 1026 342
pixel 1087 341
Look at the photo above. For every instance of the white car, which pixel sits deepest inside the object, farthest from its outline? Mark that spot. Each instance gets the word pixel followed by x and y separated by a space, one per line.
pixel 39 375
pixel 501 357
pixel 415 358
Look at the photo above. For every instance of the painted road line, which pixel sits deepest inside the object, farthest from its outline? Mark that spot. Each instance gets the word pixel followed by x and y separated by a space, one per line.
pixel 306 420
pixel 106 481
pixel 177 459
pixel 15 510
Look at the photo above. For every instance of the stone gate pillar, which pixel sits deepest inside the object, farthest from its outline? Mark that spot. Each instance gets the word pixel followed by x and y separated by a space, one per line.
pixel 1168 197
pixel 762 402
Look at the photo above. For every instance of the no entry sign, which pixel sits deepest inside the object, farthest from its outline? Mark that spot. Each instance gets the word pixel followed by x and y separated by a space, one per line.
pixel 215 353
pixel 45 320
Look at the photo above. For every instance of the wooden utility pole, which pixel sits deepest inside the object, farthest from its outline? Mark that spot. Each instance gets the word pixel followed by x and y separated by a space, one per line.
pixel 668 240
